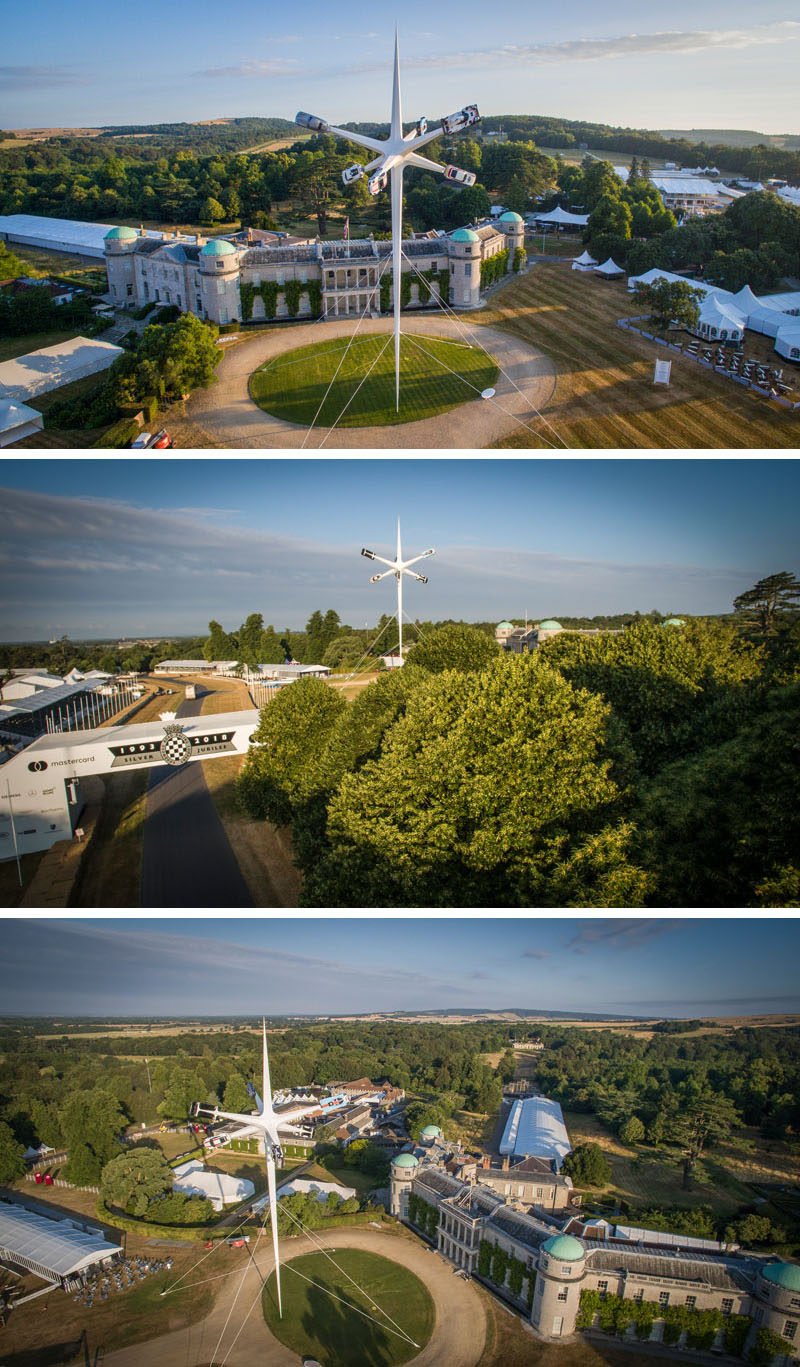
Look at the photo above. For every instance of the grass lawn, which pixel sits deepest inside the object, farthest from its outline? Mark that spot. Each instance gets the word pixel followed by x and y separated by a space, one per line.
pixel 333 1331
pixel 292 386
pixel 604 396
pixel 11 347
pixel 474 1130
pixel 653 1177
pixel 350 1177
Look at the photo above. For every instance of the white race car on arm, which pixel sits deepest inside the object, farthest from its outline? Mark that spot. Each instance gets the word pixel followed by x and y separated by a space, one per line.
pixel 464 118
pixel 460 177
pixel 310 121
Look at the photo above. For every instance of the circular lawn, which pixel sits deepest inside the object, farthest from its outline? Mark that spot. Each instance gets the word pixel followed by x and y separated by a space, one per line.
pixel 435 375
pixel 355 1330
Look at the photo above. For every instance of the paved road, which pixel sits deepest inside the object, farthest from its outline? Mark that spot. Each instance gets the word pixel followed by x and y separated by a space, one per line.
pixel 227 413
pixel 187 860
pixel 457 1340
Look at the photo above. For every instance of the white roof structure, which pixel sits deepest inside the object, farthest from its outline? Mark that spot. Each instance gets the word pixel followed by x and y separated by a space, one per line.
pixel 535 1129
pixel 656 274
pixel 322 1189
pixel 664 1239
pixel 787 342
pixel 721 314
pixel 294 671
pixel 790 193
pixel 17 420
pixel 61 234
pixel 584 260
pixel 680 184
pixel 220 1188
pixel 561 216
pixel 609 267
pixel 745 300
pixel 54 366
pixel 51 1248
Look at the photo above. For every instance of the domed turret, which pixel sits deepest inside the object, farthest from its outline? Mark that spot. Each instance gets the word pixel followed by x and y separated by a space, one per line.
pixel 465 268
pixel 560 1275
pixel 430 1133
pixel 120 234
pixel 464 235
pixel 550 625
pixel 405 1160
pixel 564 1247
pixel 673 622
pixel 785 1275
pixel 218 246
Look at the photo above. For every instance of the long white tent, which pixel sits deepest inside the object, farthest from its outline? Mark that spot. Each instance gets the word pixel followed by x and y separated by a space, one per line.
pixel 17 420
pixel 54 366
pixel 60 234
pixel 52 1249
pixel 535 1129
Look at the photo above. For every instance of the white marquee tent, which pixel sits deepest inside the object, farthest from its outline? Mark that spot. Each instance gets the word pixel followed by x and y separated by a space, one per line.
pixel 18 420
pixel 535 1128
pixel 787 342
pixel 220 1188
pixel 609 268
pixel 585 262
pixel 720 321
pixel 54 366
pixel 562 218
pixel 50 1248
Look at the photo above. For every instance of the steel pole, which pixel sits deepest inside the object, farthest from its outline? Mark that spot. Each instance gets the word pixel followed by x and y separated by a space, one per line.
pixel 396 174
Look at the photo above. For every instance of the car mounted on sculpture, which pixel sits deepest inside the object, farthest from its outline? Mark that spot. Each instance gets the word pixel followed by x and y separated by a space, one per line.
pixel 421 127
pixel 312 121
pixel 352 173
pixel 463 118
pixel 378 182
pixel 460 177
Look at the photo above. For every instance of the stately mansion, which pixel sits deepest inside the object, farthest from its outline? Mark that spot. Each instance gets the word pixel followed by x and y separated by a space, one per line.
pixel 518 1227
pixel 256 275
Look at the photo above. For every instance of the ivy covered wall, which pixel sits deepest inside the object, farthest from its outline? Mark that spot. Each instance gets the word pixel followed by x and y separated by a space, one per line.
pixel 682 1326
pixel 270 291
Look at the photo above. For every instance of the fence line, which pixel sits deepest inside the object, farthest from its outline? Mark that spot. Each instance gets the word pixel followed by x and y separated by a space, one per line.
pixel 792 405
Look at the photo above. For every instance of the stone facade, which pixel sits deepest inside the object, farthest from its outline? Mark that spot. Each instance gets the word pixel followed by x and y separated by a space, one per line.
pixel 230 279
pixel 557 1267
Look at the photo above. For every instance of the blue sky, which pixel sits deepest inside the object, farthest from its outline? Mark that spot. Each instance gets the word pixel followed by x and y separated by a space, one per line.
pixel 619 965
pixel 91 548
pixel 716 63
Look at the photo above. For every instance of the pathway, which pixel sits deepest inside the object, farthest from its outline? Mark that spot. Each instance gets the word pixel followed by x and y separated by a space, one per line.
pixel 227 413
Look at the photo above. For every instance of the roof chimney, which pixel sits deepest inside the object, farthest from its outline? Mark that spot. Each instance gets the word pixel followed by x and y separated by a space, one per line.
pixel 486 1161
pixel 506 1163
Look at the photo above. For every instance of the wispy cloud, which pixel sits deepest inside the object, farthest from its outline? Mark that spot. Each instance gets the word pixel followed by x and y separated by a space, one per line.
pixel 253 70
pixel 535 954
pixel 39 77
pixel 619 933
pixel 669 43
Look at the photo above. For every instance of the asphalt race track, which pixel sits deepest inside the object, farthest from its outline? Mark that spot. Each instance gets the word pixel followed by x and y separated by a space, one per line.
pixel 187 860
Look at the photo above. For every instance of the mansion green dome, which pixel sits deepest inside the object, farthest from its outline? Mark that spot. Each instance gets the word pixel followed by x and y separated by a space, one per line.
pixel 550 625
pixel 217 247
pixel 510 217
pixel 464 235
pixel 566 1248
pixel 786 1275
pixel 405 1160
pixel 118 234
pixel 673 622
pixel 504 626
pixel 430 1132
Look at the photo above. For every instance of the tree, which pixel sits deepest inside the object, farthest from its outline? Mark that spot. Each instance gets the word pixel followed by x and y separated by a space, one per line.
pixel 91 1122
pixel 236 1096
pixel 475 797
pixel 291 731
pixel 778 593
pixel 610 215
pixel 701 1116
pixel 632 1132
pixel 669 302
pixel 184 353
pixel 250 636
pixel 184 1088
pixel 10 265
pixel 211 211
pixel 507 1067
pixel 456 646
pixel 135 1178
pixel 587 1165
pixel 219 646
pixel 12 1155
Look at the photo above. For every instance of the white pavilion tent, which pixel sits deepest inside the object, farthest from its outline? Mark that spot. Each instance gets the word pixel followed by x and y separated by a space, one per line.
pixel 562 218
pixel 535 1128
pixel 609 269
pixel 746 302
pixel 51 1249
pixel 585 262
pixel 720 321
pixel 787 342
pixel 54 366
pixel 766 320
pixel 18 420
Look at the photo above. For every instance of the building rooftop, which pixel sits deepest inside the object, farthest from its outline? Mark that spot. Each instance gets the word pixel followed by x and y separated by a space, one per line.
pixel 565 1247
pixel 786 1275
pixel 54 1244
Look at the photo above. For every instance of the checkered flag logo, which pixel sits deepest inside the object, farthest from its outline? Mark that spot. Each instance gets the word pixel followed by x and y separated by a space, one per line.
pixel 175 748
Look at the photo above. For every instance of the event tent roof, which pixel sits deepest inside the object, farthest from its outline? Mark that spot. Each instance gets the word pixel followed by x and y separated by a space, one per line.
pixel 559 215
pixel 536 1126
pixel 62 234
pixel 745 300
pixel 716 312
pixel 17 420
pixel 788 340
pixel 53 1244
pixel 609 267
pixel 53 366
pixel 584 260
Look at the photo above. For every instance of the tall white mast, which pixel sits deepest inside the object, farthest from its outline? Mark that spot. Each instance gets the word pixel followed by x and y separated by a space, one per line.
pixel 394 153
pixel 398 567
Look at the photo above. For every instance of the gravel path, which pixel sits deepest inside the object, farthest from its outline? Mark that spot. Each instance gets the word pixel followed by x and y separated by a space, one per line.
pixel 227 413
pixel 457 1340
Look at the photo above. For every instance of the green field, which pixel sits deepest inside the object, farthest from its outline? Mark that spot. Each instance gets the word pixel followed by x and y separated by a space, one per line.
pixel 292 386
pixel 315 1324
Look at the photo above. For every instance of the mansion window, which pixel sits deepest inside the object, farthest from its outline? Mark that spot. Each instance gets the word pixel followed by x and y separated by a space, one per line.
pixel 562 1295
pixel 602 1290
pixel 639 1294
pixel 539 1192
pixel 691 1302
pixel 790 1329
pixel 727 1306
pixel 664 1298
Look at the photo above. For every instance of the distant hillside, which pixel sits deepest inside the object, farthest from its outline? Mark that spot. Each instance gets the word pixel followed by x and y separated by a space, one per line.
pixel 734 137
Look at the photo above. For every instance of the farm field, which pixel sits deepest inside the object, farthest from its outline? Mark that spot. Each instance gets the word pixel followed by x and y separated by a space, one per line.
pixel 435 375
pixel 315 1324
pixel 603 395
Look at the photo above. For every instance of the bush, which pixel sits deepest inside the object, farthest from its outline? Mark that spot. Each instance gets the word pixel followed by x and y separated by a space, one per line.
pixel 227 328
pixel 141 313
pixel 121 434
pixel 169 313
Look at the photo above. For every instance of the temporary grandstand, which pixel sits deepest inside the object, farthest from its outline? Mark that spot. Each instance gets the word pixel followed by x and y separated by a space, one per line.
pixel 56 1250
pixel 535 1128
